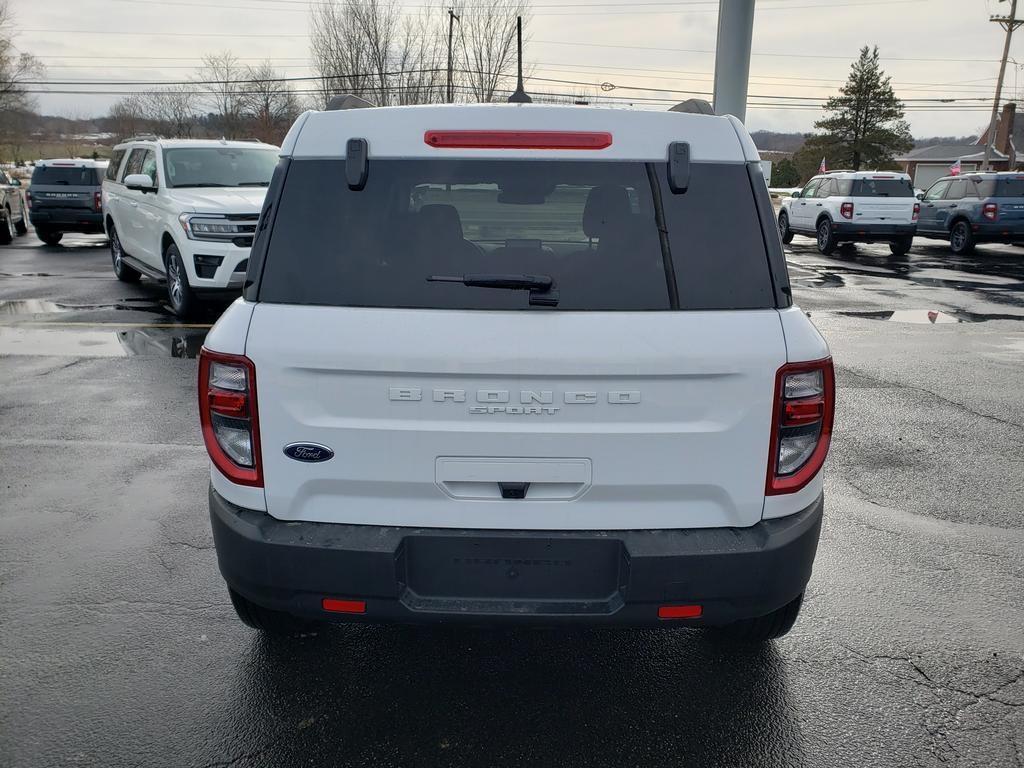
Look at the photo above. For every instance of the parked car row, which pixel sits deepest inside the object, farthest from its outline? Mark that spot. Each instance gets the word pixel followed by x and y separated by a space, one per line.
pixel 868 206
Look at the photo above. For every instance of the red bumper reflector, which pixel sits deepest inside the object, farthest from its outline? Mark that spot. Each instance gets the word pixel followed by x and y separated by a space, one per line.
pixel 518 139
pixel 344 606
pixel 680 612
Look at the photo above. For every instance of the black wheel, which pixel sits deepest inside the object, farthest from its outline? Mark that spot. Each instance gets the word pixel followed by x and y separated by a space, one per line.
pixel 122 271
pixel 48 236
pixel 901 247
pixel 763 628
pixel 266 620
pixel 179 293
pixel 7 231
pixel 961 238
pixel 784 231
pixel 22 226
pixel 826 237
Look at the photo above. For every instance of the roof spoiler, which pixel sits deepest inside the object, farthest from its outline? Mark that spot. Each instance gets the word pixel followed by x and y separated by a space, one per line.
pixel 693 106
pixel 348 101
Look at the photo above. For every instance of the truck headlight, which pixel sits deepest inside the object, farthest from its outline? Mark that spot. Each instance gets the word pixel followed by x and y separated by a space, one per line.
pixel 210 227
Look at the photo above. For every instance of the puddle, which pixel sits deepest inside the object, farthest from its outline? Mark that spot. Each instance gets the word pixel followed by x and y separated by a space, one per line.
pixel 94 343
pixel 29 307
pixel 930 316
pixel 43 307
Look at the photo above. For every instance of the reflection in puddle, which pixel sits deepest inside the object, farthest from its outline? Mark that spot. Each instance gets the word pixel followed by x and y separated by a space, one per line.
pixel 92 343
pixel 29 307
pixel 43 307
pixel 930 316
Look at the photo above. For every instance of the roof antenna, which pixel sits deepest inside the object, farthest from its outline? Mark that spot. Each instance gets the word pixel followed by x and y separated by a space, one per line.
pixel 520 96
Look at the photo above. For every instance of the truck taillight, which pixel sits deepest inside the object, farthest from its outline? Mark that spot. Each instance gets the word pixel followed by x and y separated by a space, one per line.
pixel 917 212
pixel 97 201
pixel 801 424
pixel 846 210
pixel 990 211
pixel 227 414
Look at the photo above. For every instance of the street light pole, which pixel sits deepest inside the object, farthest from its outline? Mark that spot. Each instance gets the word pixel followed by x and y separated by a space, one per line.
pixel 1009 23
pixel 452 18
pixel 732 57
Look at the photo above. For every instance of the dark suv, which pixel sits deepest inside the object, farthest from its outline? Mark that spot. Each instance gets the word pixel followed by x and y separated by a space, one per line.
pixel 977 208
pixel 66 196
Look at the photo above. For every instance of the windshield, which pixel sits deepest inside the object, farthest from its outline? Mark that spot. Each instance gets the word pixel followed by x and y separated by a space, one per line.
pixel 882 188
pixel 219 166
pixel 588 226
pixel 65 176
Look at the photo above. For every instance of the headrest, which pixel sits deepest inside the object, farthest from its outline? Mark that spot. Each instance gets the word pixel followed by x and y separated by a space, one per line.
pixel 606 205
pixel 441 222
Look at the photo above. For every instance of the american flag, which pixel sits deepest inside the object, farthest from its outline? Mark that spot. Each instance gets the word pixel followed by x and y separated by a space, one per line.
pixel 822 168
pixel 954 169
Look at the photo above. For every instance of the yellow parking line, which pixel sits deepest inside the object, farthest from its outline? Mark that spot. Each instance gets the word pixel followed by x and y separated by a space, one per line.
pixel 69 324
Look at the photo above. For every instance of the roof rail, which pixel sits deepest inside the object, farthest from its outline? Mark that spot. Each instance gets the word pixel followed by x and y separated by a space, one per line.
pixel 694 106
pixel 348 101
pixel 142 137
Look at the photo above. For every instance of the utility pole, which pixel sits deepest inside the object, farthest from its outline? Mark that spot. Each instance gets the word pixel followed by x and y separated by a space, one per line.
pixel 732 57
pixel 452 18
pixel 1009 23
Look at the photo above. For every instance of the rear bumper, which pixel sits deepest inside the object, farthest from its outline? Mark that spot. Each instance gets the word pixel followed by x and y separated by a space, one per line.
pixel 866 233
pixel 998 232
pixel 67 219
pixel 440 575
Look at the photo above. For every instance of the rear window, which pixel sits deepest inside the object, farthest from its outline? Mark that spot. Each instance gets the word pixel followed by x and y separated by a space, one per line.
pixel 589 226
pixel 1004 187
pixel 882 188
pixel 65 176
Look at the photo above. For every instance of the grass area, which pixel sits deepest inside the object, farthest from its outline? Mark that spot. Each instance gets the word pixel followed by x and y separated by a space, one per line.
pixel 32 150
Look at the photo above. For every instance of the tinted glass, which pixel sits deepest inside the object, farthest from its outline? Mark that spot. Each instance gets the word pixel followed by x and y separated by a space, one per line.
pixel 936 190
pixel 590 226
pixel 115 163
pixel 1012 186
pixel 219 166
pixel 811 188
pixel 134 164
pixel 149 164
pixel 826 188
pixel 65 176
pixel 956 189
pixel 882 188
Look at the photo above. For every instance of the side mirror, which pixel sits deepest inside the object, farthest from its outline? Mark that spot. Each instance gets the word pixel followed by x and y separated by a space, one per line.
pixel 140 182
pixel 798 193
pixel 920 195
pixel 15 182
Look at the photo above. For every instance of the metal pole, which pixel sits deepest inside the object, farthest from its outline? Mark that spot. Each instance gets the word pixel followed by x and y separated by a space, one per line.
pixel 732 56
pixel 451 25
pixel 1009 23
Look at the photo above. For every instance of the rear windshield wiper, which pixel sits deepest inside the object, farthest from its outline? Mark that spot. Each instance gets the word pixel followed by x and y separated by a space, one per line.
pixel 539 286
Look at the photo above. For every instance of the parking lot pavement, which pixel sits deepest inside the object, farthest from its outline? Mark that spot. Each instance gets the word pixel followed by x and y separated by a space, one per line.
pixel 118 646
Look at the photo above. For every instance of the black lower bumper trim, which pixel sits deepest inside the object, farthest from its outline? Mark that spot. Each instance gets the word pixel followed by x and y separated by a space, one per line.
pixel 871 232
pixel 435 574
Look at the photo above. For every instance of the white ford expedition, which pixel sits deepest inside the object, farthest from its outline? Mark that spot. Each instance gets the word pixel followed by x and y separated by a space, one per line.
pixel 184 211
pixel 853 207
pixel 517 363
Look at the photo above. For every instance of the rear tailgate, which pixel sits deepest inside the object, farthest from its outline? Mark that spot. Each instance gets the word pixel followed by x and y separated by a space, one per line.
pixel 617 420
pixel 64 197
pixel 883 210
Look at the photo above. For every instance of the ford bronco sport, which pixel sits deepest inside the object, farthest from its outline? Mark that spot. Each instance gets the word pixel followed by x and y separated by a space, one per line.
pixel 517 363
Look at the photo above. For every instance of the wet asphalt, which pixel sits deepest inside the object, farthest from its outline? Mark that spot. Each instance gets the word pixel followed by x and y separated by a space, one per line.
pixel 118 646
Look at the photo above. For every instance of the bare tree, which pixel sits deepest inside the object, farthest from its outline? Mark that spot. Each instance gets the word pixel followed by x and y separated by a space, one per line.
pixel 128 116
pixel 269 104
pixel 489 45
pixel 173 109
pixel 368 48
pixel 222 77
pixel 15 67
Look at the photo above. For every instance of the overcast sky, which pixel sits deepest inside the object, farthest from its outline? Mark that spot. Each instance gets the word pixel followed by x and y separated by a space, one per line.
pixel 802 48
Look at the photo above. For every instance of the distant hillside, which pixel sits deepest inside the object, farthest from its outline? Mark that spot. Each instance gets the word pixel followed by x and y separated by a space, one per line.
pixel 780 142
pixel 929 141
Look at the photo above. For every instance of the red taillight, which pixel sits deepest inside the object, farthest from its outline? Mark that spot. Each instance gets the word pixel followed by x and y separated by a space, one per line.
pixel 990 211
pixel 917 211
pixel 846 210
pixel 228 416
pixel 343 606
pixel 801 424
pixel 518 139
pixel 680 612
pixel 97 201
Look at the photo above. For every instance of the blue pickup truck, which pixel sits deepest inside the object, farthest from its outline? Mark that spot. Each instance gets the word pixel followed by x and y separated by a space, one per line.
pixel 974 208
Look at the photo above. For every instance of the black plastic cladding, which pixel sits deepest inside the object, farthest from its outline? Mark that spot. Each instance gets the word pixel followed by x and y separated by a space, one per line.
pixel 258 254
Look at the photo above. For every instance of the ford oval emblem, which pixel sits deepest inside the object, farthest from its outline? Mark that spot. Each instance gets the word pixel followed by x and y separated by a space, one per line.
pixel 309 452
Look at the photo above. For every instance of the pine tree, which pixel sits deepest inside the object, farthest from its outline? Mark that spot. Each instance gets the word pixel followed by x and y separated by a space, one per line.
pixel 864 124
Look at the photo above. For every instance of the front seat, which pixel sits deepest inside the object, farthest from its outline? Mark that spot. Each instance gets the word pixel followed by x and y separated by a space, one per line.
pixel 439 231
pixel 607 216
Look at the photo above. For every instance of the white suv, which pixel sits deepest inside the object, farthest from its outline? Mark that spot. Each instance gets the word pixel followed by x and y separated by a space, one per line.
pixel 185 211
pixel 853 207
pixel 517 363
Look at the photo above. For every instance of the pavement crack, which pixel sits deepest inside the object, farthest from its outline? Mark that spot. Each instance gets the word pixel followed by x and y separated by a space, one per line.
pixel 936 395
pixel 190 545
pixel 60 367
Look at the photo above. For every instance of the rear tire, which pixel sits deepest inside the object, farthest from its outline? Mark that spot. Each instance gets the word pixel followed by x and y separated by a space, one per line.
pixel 7 228
pixel 22 226
pixel 179 293
pixel 48 236
pixel 763 628
pixel 266 620
pixel 961 238
pixel 901 247
pixel 826 237
pixel 784 231
pixel 122 271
